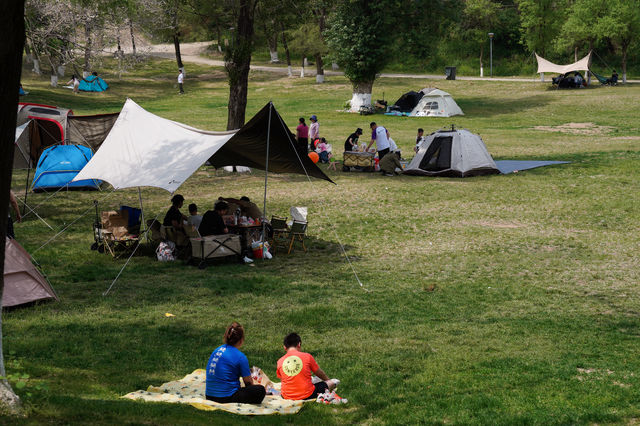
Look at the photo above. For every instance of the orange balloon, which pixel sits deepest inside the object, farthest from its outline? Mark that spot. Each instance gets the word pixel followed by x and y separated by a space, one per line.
pixel 314 156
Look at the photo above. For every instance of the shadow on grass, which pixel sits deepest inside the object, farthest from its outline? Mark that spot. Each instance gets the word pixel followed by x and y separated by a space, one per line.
pixel 488 107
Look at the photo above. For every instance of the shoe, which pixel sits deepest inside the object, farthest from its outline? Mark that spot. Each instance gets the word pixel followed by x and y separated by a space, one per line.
pixel 247 260
pixel 389 174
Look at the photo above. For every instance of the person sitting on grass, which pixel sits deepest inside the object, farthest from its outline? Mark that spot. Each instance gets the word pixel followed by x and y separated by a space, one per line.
pixel 295 369
pixel 212 221
pixel 225 366
pixel 323 149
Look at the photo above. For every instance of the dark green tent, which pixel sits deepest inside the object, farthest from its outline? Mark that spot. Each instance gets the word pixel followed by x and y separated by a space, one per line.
pixel 248 147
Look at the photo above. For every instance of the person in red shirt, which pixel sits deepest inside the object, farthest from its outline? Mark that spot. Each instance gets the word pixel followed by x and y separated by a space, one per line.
pixel 302 133
pixel 295 369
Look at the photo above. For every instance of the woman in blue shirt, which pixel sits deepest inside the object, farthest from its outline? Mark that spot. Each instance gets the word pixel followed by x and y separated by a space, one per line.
pixel 224 368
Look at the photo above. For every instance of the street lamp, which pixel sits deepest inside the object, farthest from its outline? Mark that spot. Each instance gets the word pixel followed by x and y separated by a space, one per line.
pixel 491 54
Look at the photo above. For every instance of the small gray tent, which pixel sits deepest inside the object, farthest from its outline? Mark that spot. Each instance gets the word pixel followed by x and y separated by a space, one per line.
pixel 457 153
pixel 23 283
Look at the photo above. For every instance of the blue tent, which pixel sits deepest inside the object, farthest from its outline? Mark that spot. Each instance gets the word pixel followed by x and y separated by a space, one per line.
pixel 59 164
pixel 93 83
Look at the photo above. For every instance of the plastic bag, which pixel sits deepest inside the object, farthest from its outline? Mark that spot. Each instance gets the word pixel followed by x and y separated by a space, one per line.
pixel 166 251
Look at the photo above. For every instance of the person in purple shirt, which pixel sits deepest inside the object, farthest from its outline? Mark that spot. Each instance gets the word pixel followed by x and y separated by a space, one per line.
pixel 224 368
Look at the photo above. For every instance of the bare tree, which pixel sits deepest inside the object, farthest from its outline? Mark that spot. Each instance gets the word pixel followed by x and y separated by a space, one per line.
pixel 12 33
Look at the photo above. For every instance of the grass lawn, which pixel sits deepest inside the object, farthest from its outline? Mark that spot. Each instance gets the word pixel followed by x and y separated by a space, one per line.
pixel 489 300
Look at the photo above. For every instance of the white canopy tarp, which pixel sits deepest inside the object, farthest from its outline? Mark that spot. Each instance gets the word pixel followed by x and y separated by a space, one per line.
pixel 143 149
pixel 546 66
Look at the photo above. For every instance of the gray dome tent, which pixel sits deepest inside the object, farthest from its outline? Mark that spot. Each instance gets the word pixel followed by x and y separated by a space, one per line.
pixel 458 153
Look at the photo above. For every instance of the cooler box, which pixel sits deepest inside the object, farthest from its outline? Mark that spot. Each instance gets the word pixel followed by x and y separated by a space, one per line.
pixel 213 246
pixel 358 159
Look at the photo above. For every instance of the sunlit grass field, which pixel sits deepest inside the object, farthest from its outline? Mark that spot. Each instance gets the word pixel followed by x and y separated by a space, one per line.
pixel 488 300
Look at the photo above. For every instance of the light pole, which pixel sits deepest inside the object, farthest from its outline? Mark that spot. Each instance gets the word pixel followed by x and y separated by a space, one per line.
pixel 491 54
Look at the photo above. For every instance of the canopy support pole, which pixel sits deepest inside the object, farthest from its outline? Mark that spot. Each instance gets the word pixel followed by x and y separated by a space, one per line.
pixel 26 190
pixel 266 176
pixel 142 224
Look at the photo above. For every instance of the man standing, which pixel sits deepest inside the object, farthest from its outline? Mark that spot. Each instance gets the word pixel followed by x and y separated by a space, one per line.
pixel 180 81
pixel 314 132
pixel 380 136
pixel 419 140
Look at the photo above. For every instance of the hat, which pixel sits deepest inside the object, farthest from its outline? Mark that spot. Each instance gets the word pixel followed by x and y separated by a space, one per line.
pixel 314 118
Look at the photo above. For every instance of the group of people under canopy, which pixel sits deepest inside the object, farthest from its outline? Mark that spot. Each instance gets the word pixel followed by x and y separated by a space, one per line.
pixel 212 222
pixel 227 364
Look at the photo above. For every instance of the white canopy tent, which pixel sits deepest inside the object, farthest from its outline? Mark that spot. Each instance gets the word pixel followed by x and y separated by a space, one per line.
pixel 547 66
pixel 143 149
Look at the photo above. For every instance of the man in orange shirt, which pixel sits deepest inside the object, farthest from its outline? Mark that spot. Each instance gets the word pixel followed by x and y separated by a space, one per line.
pixel 295 369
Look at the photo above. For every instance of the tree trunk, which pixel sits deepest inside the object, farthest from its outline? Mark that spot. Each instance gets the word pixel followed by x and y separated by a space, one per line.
pixel 625 48
pixel 304 59
pixel 87 50
pixel 133 39
pixel 361 95
pixel 319 69
pixel 12 33
pixel 575 54
pixel 481 64
pixel 286 50
pixel 176 39
pixel 238 63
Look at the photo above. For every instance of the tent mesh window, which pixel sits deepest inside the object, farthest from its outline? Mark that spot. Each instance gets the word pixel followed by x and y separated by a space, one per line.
pixel 438 155
pixel 45 111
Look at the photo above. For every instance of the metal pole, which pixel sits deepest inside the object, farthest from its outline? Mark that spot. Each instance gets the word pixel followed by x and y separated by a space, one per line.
pixel 491 54
pixel 266 175
pixel 141 213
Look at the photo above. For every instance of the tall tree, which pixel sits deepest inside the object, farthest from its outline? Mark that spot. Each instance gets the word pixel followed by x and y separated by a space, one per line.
pixel 238 61
pixel 359 38
pixel 480 18
pixel 621 25
pixel 12 33
pixel 540 21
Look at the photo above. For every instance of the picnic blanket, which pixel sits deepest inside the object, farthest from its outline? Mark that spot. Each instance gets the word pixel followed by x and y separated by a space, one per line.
pixel 190 390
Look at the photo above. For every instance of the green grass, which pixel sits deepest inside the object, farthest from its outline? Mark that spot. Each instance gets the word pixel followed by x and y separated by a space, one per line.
pixel 489 300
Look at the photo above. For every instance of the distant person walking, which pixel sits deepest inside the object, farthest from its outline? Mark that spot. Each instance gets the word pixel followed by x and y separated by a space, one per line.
pixel 314 132
pixel 180 81
pixel 302 133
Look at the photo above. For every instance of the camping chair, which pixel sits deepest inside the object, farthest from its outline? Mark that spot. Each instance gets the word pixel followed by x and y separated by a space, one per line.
pixel 114 233
pixel 297 233
pixel 280 233
pixel 179 238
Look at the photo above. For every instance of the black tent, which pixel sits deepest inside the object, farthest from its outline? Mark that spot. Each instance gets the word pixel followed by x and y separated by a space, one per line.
pixel 407 102
pixel 248 147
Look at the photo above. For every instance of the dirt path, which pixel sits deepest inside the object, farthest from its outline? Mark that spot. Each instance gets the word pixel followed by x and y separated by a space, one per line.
pixel 191 53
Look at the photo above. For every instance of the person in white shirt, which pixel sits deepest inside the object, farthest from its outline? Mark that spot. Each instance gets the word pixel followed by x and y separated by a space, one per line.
pixel 194 218
pixel 180 81
pixel 380 136
pixel 419 140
